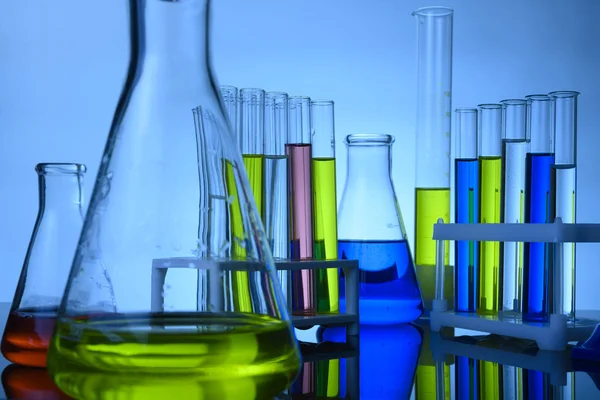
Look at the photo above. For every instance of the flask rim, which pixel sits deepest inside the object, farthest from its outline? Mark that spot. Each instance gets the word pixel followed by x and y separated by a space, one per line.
pixel 513 102
pixel 369 139
pixel 433 11
pixel 563 94
pixel 58 168
pixel 537 97
pixel 489 106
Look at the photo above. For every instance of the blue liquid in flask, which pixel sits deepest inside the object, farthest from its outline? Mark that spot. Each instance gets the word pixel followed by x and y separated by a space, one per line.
pixel 388 288
pixel 537 262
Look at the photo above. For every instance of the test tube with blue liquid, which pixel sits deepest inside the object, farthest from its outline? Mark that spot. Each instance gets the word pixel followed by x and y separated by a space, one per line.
pixel 490 195
pixel 539 208
pixel 514 150
pixel 564 184
pixel 466 208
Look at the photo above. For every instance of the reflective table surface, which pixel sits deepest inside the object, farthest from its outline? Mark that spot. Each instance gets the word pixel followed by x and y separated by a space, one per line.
pixel 394 362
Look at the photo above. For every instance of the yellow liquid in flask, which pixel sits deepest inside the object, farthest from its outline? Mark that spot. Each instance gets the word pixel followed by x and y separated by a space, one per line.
pixel 202 354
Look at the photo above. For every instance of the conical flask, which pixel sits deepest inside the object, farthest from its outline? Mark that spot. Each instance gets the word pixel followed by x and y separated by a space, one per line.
pixel 150 291
pixel 371 230
pixel 45 270
pixel 30 383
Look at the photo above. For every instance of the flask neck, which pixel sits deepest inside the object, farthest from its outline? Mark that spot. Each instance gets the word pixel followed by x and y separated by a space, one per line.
pixel 60 193
pixel 172 36
pixel 369 164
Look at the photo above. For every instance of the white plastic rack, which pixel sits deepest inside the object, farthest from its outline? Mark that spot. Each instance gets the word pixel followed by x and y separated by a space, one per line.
pixel 553 335
pixel 215 291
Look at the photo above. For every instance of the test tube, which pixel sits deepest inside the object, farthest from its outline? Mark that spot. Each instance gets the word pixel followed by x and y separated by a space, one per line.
pixel 276 206
pixel 539 207
pixel 299 150
pixel 230 96
pixel 490 193
pixel 466 209
pixel 514 149
pixel 434 85
pixel 564 182
pixel 325 202
pixel 251 135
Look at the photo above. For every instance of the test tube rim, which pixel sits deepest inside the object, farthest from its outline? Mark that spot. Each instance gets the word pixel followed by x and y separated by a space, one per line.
pixel 321 102
pixel 538 97
pixel 466 109
pixel 275 94
pixel 229 87
pixel 513 102
pixel 489 106
pixel 433 11
pixel 369 139
pixel 48 168
pixel 564 94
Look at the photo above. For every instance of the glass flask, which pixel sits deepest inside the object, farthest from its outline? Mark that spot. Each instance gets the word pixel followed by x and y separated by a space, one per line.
pixel 45 270
pixel 21 382
pixel 150 296
pixel 371 230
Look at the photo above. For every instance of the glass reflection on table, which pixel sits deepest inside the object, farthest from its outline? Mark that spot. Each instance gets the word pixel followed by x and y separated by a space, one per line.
pixel 29 383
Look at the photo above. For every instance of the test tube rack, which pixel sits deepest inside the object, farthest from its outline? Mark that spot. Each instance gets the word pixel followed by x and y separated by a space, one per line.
pixel 553 335
pixel 216 294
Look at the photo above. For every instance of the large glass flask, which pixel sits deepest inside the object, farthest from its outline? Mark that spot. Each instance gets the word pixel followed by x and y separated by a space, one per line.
pixel 371 230
pixel 150 295
pixel 434 102
pixel 21 382
pixel 45 271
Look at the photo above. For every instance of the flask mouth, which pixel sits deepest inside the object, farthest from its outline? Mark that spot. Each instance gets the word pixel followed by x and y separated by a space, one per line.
pixel 538 97
pixel 489 106
pixel 433 11
pixel 563 94
pixel 60 169
pixel 369 139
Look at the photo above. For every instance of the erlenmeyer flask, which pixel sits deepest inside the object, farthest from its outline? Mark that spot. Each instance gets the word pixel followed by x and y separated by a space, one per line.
pixel 30 383
pixel 150 290
pixel 45 271
pixel 371 230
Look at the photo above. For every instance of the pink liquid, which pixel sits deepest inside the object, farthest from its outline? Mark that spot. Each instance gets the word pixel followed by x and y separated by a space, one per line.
pixel 301 226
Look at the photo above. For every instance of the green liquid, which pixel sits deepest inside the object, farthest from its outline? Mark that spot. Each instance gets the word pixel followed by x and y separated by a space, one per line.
pixel 425 382
pixel 325 232
pixel 490 173
pixel 183 355
pixel 254 165
pixel 489 380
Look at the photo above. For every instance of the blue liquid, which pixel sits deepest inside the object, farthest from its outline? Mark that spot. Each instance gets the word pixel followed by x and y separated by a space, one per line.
pixel 535 384
pixel 466 253
pixel 466 378
pixel 537 263
pixel 388 288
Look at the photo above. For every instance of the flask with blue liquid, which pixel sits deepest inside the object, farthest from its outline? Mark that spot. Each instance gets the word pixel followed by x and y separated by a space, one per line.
pixel 370 230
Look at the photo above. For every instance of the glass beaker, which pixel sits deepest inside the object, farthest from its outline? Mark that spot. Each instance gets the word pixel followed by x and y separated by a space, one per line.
pixel 371 230
pixel 45 270
pixel 21 382
pixel 150 294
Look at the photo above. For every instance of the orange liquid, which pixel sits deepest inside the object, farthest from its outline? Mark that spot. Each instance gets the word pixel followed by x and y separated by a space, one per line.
pixel 30 383
pixel 26 336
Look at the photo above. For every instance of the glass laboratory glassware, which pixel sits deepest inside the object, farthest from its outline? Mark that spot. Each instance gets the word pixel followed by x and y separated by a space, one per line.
pixel 434 109
pixel 149 297
pixel 539 208
pixel 45 270
pixel 276 204
pixel 371 230
pixel 299 150
pixel 325 202
pixel 564 185
pixel 466 209
pixel 466 378
pixel 21 382
pixel 490 194
pixel 433 376
pixel 514 150
pixel 230 97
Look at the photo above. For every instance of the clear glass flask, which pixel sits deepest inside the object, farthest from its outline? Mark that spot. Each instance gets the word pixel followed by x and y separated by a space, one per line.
pixel 564 185
pixel 514 150
pixel 299 150
pixel 539 208
pixel 490 195
pixel 371 230
pixel 150 297
pixel 325 202
pixel 45 270
pixel 21 382
pixel 434 109
pixel 466 209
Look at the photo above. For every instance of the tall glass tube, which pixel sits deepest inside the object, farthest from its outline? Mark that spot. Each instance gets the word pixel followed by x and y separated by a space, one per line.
pixel 276 205
pixel 466 209
pixel 299 150
pixel 564 181
pixel 434 85
pixel 231 101
pixel 490 182
pixel 325 202
pixel 539 207
pixel 514 150
pixel 251 137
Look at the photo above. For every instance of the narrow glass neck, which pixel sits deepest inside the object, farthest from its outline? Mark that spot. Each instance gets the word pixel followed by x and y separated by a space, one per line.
pixel 172 35
pixel 369 163
pixel 60 192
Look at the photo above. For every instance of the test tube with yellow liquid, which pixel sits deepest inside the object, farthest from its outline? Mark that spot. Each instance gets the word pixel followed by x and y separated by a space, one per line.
pixel 434 102
pixel 490 192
